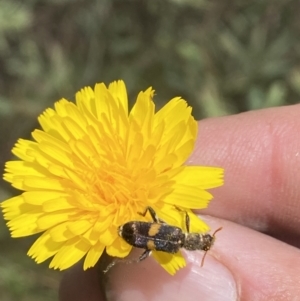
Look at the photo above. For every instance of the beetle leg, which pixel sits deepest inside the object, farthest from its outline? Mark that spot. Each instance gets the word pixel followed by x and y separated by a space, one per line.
pixel 155 218
pixel 145 254
pixel 111 265
pixel 187 219
pixel 187 222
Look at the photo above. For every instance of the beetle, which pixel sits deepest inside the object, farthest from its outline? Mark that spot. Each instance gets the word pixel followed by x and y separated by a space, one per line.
pixel 160 236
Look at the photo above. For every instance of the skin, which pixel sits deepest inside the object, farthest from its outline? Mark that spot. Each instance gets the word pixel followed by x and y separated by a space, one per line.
pixel 256 256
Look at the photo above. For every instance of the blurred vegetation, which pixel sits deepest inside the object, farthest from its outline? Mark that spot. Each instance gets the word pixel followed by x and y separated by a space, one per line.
pixel 224 57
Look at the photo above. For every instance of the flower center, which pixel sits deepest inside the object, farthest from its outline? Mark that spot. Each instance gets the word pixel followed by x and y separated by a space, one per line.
pixel 113 185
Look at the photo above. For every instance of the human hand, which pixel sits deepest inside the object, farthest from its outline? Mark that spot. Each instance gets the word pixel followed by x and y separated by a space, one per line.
pixel 260 152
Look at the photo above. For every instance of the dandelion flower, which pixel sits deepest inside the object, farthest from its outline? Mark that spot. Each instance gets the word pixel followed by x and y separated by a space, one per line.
pixel 94 165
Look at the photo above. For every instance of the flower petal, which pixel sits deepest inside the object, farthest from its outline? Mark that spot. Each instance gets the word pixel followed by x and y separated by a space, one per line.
pixel 170 262
pixel 70 253
pixel 119 248
pixel 44 248
pixel 93 255
pixel 204 177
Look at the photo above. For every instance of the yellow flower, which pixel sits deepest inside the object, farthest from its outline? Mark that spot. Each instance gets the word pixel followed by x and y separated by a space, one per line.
pixel 94 166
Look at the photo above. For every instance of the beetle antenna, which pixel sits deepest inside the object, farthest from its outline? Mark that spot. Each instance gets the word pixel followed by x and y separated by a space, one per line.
pixel 212 241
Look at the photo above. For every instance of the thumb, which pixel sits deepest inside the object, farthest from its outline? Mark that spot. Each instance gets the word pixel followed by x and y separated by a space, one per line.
pixel 147 281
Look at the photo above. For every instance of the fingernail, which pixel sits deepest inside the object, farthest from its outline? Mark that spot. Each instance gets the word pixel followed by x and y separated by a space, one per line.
pixel 147 281
pixel 213 281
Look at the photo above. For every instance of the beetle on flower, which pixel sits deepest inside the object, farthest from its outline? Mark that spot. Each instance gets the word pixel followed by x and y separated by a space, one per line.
pixel 94 165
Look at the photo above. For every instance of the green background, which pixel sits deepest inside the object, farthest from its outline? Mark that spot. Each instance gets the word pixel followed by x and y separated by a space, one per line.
pixel 223 57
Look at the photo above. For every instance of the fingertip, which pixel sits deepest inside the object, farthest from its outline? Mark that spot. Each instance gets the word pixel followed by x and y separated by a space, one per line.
pixel 148 281
pixel 264 268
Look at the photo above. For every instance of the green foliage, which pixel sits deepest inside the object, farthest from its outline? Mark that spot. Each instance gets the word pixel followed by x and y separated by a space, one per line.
pixel 224 57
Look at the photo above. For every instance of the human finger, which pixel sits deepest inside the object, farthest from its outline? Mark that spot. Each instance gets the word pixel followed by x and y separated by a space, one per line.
pixel 260 152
